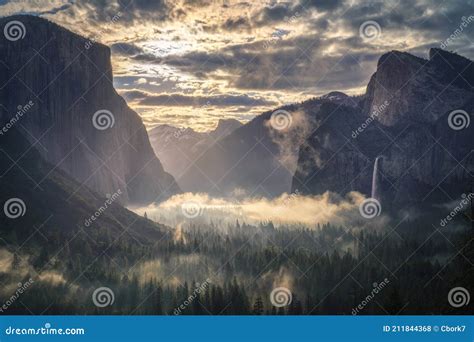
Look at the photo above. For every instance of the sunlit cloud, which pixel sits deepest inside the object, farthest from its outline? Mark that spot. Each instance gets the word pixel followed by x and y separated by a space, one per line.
pixel 275 51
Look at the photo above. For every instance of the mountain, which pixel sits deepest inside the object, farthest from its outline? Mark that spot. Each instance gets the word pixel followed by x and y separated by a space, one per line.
pixel 62 86
pixel 224 128
pixel 403 122
pixel 46 202
pixel 417 89
pixel 332 142
pixel 258 158
pixel 177 148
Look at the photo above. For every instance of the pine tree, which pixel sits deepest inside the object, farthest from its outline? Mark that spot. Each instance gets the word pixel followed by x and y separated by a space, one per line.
pixel 258 306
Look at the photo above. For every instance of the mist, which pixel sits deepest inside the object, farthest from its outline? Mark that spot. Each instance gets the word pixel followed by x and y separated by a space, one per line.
pixel 288 209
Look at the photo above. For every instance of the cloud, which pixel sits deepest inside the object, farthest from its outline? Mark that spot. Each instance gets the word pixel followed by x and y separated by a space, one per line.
pixel 126 49
pixel 236 24
pixel 147 99
pixel 225 47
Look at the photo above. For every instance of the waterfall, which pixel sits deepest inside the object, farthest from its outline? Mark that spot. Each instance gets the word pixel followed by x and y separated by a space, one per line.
pixel 376 180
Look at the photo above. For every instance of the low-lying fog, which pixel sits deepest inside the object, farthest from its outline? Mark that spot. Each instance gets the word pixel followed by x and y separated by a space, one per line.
pixel 288 209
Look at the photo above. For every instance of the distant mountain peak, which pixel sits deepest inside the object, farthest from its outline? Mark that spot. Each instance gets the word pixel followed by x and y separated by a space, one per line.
pixel 225 127
pixel 335 95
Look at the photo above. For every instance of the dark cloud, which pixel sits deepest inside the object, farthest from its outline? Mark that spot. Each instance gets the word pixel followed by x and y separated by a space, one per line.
pixel 289 60
pixel 322 5
pixel 57 9
pixel 275 13
pixel 147 99
pixel 100 11
pixel 236 24
pixel 126 49
pixel 281 63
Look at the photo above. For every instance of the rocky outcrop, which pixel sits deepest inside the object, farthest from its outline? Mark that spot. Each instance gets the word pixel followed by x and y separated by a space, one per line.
pixel 416 89
pixel 404 119
pixel 77 121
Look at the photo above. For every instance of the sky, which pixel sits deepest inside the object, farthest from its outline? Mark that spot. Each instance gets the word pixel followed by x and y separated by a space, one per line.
pixel 190 63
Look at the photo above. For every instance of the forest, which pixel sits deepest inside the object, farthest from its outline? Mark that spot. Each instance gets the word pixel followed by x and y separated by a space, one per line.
pixel 205 269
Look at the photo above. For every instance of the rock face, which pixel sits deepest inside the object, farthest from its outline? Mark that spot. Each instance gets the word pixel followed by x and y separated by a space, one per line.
pixel 416 89
pixel 51 197
pixel 69 79
pixel 178 148
pixel 404 119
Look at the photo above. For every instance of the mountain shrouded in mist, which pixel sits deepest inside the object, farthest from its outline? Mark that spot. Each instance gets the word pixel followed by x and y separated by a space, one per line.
pixel 178 148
